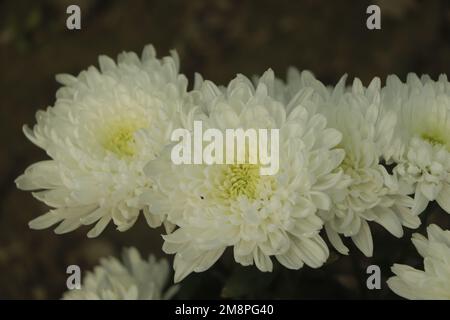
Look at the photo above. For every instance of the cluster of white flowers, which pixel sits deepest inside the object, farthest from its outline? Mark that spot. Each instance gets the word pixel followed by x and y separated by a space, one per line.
pixel 130 279
pixel 348 156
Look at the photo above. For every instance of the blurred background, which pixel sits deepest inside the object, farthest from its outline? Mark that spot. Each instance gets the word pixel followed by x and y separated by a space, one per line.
pixel 217 39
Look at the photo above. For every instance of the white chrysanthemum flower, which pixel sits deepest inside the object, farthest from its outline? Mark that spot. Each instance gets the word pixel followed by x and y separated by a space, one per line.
pixel 105 126
pixel 371 193
pixel 133 278
pixel 300 86
pixel 232 205
pixel 433 282
pixel 423 131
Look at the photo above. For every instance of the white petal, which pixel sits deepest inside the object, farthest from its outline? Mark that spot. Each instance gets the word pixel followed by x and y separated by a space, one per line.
pixel 443 198
pixel 335 240
pixel 420 202
pixel 321 200
pixel 262 261
pixel 388 219
pixel 363 240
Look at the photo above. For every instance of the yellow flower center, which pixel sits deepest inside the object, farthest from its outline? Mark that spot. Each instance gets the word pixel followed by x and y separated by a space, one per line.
pixel 241 180
pixel 119 138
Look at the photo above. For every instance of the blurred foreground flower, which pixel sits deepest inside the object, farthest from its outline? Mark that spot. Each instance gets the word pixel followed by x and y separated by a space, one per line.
pixel 434 281
pixel 133 278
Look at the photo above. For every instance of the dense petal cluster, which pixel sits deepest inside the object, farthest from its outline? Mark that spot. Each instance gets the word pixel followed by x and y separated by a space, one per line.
pixel 103 129
pixel 422 149
pixel 370 193
pixel 131 278
pixel 232 205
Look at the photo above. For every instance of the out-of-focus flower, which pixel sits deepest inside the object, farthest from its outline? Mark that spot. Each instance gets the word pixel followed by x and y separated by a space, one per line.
pixel 133 278
pixel 434 281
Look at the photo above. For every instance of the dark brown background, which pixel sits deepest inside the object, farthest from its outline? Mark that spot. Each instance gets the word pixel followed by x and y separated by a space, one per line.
pixel 217 39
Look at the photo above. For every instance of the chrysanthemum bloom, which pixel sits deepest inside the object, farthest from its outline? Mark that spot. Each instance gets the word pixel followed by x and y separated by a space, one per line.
pixel 232 205
pixel 423 131
pixel 104 127
pixel 133 278
pixel 371 193
pixel 434 281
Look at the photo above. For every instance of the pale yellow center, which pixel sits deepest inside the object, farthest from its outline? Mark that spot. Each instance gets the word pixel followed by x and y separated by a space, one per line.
pixel 241 180
pixel 119 138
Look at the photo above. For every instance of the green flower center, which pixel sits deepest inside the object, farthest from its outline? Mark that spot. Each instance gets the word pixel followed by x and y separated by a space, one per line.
pixel 433 138
pixel 119 138
pixel 241 180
